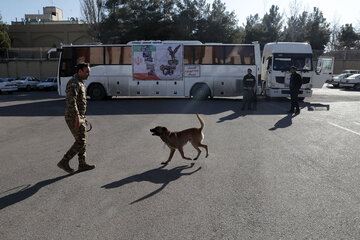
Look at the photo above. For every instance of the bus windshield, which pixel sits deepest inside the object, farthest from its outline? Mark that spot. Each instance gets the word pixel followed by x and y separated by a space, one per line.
pixel 283 62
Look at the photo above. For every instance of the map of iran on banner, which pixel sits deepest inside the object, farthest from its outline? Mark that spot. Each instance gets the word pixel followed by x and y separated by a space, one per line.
pixel 158 62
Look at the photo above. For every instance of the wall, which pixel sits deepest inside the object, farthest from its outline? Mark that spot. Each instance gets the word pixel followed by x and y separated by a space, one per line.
pixel 40 69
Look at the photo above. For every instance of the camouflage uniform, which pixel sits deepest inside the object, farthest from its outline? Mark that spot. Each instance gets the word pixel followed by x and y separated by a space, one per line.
pixel 76 105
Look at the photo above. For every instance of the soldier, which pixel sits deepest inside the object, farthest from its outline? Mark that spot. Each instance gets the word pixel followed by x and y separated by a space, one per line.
pixel 295 85
pixel 249 84
pixel 75 118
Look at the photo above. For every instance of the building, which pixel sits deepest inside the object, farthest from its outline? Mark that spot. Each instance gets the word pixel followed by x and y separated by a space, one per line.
pixel 48 30
pixel 50 13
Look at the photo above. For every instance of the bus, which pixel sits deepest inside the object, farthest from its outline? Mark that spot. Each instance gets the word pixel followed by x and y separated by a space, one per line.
pixel 278 57
pixel 161 68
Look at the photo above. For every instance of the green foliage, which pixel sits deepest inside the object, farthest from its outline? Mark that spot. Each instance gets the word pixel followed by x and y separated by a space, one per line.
pixel 4 36
pixel 168 19
pixel 317 30
pixel 348 38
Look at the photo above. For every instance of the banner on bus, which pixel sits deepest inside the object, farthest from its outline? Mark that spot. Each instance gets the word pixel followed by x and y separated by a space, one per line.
pixel 158 62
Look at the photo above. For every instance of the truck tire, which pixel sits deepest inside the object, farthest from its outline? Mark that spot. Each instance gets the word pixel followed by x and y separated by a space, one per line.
pixel 97 92
pixel 200 92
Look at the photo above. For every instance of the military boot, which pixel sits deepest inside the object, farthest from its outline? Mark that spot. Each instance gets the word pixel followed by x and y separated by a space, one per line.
pixel 64 165
pixel 83 166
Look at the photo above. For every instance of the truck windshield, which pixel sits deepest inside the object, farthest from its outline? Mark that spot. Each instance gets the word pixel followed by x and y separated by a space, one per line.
pixel 283 61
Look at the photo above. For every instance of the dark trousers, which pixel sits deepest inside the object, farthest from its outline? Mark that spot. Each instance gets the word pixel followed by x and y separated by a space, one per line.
pixel 294 100
pixel 248 99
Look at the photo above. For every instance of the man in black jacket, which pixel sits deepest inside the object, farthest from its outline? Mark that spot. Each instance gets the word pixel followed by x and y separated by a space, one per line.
pixel 295 85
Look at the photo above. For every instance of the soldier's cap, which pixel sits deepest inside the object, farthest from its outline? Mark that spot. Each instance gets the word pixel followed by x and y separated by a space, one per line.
pixel 293 67
pixel 249 69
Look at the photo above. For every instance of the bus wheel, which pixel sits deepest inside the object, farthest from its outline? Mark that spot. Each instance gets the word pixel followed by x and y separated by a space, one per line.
pixel 97 92
pixel 200 92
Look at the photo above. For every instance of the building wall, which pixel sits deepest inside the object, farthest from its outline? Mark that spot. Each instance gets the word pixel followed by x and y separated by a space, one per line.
pixel 48 35
pixel 37 68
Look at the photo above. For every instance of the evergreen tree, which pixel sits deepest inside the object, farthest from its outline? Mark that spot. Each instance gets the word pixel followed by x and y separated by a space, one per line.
pixel 348 37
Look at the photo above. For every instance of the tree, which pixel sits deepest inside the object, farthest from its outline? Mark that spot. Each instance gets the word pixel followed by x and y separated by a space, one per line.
pixel 267 29
pixel 190 19
pixel 93 13
pixel 294 29
pixel 253 29
pixel 221 25
pixel 348 37
pixel 4 36
pixel 271 24
pixel 317 31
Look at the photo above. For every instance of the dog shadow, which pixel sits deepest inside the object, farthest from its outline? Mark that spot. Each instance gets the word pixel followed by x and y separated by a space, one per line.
pixel 156 176
pixel 26 192
pixel 283 123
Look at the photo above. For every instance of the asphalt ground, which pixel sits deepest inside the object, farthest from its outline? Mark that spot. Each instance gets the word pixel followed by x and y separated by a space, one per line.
pixel 269 175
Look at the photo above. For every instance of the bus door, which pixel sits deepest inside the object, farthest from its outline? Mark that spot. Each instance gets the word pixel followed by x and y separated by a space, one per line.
pixel 323 71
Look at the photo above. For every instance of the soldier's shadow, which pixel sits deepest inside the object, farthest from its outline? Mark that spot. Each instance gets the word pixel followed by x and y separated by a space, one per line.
pixel 283 123
pixel 26 192
pixel 157 176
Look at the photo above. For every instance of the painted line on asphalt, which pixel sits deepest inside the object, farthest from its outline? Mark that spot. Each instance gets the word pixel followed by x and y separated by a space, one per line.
pixel 344 128
pixel 357 123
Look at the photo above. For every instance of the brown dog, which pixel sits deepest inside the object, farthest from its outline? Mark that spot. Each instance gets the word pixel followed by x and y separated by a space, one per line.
pixel 177 140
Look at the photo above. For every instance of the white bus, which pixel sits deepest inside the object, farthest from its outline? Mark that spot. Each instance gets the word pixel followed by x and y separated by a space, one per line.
pixel 277 59
pixel 161 68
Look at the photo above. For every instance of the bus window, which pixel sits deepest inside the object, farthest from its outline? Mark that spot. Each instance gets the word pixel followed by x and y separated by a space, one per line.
pixel 118 55
pixel 92 55
pixel 209 55
pixel 67 65
pixel 188 55
pixel 240 55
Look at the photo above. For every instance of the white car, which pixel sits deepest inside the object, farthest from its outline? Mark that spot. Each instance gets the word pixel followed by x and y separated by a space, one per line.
pixel 352 81
pixel 335 81
pixel 6 86
pixel 27 83
pixel 49 83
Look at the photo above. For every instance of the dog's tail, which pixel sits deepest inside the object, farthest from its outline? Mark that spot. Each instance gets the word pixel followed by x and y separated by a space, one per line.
pixel 201 121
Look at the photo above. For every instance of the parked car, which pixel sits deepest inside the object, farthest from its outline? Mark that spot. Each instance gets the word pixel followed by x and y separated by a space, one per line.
pixel 6 86
pixel 352 71
pixel 27 83
pixel 353 81
pixel 335 81
pixel 49 83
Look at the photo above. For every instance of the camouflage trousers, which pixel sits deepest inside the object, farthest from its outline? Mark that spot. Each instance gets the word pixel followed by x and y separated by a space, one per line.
pixel 79 146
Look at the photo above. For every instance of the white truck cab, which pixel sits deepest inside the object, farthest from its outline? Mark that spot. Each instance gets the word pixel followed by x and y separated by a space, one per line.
pixel 277 58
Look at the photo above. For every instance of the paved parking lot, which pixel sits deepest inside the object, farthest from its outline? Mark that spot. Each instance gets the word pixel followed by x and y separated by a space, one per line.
pixel 269 175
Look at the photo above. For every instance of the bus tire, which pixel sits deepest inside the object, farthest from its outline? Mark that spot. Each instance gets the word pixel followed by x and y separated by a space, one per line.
pixel 200 92
pixel 97 92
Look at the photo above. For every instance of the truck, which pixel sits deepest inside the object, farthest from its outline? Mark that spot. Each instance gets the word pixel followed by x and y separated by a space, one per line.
pixel 278 57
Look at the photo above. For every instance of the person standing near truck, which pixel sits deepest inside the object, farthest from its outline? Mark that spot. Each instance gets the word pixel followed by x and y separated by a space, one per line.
pixel 249 94
pixel 295 85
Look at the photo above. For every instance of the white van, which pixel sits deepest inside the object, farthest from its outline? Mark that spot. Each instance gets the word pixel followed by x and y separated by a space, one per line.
pixel 278 57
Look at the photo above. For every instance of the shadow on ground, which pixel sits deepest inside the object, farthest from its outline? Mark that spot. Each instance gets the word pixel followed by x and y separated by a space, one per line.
pixel 157 176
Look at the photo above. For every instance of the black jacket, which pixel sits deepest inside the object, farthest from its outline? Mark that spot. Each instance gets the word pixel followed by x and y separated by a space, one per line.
pixel 295 82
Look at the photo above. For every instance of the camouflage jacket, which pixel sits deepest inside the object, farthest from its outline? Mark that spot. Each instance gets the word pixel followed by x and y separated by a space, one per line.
pixel 75 97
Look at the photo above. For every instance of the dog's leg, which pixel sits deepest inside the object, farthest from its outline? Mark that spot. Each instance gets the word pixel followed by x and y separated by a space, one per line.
pixel 195 145
pixel 206 148
pixel 172 151
pixel 182 153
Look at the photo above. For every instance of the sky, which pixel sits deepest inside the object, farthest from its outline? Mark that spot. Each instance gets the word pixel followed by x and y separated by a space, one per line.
pixel 339 12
